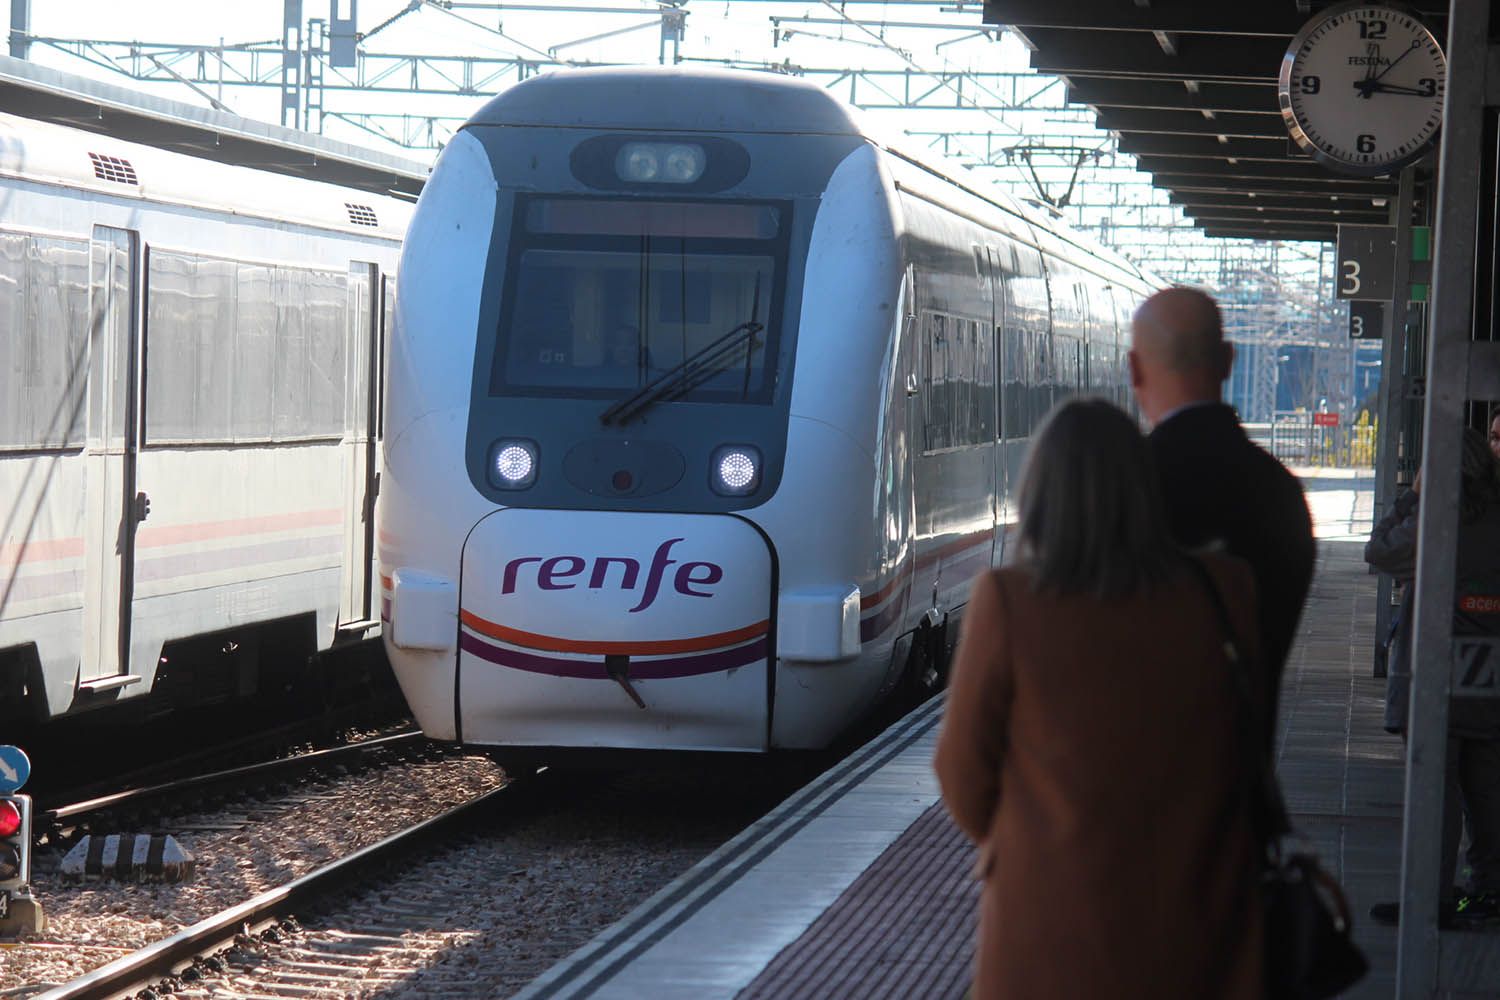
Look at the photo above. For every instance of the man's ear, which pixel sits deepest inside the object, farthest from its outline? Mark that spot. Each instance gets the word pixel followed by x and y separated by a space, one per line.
pixel 1228 361
pixel 1136 374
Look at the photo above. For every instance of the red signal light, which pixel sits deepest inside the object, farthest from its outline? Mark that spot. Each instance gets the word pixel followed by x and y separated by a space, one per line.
pixel 10 818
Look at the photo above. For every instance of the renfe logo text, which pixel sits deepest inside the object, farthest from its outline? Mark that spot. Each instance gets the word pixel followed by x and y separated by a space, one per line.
pixel 560 572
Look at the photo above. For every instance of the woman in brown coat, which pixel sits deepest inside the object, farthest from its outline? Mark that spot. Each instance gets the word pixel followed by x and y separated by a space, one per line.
pixel 1089 746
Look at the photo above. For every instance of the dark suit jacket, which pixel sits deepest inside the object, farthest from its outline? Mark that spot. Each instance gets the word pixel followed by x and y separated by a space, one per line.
pixel 1219 486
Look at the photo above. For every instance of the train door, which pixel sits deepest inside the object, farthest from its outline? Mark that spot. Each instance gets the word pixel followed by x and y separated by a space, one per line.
pixel 360 467
pixel 113 507
pixel 382 343
pixel 999 261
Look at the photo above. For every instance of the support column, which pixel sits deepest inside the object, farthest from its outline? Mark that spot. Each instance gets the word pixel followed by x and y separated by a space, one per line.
pixel 1393 386
pixel 1419 943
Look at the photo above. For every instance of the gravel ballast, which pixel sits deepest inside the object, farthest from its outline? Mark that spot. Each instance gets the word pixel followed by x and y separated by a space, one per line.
pixel 480 918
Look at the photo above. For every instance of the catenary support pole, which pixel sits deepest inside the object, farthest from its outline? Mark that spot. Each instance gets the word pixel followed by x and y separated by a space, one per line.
pixel 20 28
pixel 1450 331
pixel 291 64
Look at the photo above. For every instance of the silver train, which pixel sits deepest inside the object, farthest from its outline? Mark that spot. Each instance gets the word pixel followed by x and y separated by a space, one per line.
pixel 704 410
pixel 189 425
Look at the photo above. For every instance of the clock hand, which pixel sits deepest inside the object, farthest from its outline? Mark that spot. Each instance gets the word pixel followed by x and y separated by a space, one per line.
pixel 1415 44
pixel 1372 63
pixel 1393 88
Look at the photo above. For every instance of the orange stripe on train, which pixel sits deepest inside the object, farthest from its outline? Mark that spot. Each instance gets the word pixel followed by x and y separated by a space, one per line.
pixel 650 647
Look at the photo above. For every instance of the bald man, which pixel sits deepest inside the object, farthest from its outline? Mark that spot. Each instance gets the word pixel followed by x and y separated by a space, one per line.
pixel 1218 486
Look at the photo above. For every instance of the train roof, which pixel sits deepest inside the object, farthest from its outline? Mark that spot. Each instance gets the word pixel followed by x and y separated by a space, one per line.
pixel 697 99
pixel 671 99
pixel 43 153
pixel 51 95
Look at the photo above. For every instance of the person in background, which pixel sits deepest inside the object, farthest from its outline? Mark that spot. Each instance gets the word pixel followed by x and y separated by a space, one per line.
pixel 1218 486
pixel 1472 795
pixel 1090 745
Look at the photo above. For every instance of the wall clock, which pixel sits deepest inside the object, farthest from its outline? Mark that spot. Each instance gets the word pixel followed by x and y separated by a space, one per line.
pixel 1361 88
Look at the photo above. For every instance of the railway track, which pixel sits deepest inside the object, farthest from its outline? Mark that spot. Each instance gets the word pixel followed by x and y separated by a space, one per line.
pixel 58 820
pixel 230 939
pixel 516 882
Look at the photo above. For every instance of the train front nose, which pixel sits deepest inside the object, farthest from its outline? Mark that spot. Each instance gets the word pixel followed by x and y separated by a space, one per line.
pixel 614 629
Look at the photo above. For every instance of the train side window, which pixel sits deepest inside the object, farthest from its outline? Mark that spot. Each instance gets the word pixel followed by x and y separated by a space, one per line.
pixel 243 352
pixel 1015 367
pixel 254 350
pixel 327 341
pixel 960 379
pixel 44 294
pixel 984 383
pixel 190 310
pixel 1045 383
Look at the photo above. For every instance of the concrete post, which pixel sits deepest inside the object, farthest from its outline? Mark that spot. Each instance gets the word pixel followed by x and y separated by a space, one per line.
pixel 1393 387
pixel 1459 169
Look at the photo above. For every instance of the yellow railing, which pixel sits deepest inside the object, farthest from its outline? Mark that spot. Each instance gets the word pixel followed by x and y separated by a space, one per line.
pixel 1296 440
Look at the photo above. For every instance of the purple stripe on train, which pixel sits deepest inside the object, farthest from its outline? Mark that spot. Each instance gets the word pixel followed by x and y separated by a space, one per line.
pixel 593 669
pixel 888 615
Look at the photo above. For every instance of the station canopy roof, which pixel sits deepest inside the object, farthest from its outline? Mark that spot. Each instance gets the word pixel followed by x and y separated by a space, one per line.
pixel 46 94
pixel 1190 88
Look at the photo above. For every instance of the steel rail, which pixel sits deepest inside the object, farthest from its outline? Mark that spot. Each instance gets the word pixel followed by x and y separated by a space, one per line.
pixel 170 956
pixel 311 759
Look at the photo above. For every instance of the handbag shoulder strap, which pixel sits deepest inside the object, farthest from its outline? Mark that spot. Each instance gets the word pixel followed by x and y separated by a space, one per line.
pixel 1267 809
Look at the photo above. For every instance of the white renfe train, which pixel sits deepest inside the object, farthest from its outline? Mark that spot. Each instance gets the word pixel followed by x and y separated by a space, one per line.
pixel 189 374
pixel 703 412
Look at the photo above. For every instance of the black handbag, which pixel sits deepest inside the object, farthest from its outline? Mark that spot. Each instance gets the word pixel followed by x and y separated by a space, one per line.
pixel 1309 953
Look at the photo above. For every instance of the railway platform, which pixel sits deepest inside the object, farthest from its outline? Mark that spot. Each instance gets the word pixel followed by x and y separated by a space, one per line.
pixel 859 886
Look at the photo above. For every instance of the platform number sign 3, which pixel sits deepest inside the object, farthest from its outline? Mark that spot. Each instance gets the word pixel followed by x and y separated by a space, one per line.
pixel 1366 262
pixel 1366 320
pixel 1361 88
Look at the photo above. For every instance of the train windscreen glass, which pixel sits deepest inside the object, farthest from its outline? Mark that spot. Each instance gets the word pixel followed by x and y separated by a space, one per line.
pixel 606 295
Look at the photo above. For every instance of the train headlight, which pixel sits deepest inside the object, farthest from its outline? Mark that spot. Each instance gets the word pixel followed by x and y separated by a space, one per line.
pixel 513 463
pixel 734 470
pixel 660 162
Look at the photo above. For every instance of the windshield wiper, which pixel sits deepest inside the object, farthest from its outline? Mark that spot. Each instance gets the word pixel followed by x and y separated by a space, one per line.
pixel 695 369
pixel 691 372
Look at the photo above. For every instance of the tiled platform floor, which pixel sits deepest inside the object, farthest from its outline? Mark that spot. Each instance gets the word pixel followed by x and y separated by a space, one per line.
pixel 859 887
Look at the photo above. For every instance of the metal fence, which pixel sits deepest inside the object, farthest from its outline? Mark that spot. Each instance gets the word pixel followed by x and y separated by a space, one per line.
pixel 1300 438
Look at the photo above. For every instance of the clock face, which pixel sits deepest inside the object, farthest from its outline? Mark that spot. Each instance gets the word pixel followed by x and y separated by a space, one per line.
pixel 1361 88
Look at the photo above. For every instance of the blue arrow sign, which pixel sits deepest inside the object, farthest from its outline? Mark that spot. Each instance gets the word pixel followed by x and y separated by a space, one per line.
pixel 15 768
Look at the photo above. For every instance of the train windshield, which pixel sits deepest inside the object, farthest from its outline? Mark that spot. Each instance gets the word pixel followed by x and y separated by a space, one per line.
pixel 604 296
